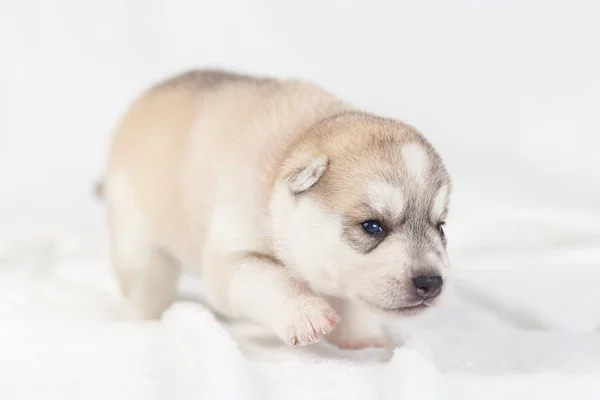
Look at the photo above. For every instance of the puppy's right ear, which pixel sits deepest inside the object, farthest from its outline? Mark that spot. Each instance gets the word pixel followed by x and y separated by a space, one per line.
pixel 305 177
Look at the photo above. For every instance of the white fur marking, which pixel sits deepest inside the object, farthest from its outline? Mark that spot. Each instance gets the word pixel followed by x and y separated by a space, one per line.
pixel 440 202
pixel 416 161
pixel 310 244
pixel 385 198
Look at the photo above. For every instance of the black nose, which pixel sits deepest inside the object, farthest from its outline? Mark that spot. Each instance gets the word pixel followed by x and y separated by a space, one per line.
pixel 428 286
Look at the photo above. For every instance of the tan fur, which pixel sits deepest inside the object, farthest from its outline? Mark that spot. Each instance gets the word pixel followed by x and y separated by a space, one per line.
pixel 210 168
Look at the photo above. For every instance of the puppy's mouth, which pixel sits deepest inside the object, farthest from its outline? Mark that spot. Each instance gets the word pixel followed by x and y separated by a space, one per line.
pixel 403 311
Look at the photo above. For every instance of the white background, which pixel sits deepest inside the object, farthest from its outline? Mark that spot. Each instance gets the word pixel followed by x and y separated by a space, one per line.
pixel 507 91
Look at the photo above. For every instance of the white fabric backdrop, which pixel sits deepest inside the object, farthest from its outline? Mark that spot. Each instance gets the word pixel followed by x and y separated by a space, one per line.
pixel 507 90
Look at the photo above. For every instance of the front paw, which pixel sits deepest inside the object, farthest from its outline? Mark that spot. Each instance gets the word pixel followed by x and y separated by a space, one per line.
pixel 308 322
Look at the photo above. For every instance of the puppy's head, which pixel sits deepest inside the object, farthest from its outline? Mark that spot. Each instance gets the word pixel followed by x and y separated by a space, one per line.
pixel 359 210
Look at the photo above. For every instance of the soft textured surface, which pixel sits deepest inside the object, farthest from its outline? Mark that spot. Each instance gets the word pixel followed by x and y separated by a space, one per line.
pixel 507 91
pixel 67 335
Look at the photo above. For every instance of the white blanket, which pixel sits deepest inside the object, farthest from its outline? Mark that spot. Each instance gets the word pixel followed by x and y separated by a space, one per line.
pixel 67 335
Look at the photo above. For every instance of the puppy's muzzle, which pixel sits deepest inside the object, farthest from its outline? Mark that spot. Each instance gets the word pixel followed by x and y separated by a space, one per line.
pixel 429 286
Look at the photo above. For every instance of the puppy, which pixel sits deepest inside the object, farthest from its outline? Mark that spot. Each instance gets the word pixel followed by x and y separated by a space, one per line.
pixel 302 213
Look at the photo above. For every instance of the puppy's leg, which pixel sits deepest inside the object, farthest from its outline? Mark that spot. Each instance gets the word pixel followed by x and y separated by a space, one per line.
pixel 147 275
pixel 360 328
pixel 149 281
pixel 258 288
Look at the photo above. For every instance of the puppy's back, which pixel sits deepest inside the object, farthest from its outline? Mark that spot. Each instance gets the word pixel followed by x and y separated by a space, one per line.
pixel 196 140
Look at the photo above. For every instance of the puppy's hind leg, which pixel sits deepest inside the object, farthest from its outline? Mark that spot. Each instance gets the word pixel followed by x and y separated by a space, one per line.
pixel 146 273
pixel 149 282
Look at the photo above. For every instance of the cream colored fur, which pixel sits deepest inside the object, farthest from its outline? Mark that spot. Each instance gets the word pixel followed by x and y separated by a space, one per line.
pixel 261 184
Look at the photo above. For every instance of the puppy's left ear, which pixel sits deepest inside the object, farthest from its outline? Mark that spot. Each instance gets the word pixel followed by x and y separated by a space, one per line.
pixel 305 177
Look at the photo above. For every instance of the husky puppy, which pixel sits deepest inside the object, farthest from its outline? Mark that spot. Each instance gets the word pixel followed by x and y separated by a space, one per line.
pixel 302 213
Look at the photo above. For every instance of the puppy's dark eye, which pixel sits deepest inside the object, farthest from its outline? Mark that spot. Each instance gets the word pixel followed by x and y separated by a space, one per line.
pixel 440 228
pixel 373 227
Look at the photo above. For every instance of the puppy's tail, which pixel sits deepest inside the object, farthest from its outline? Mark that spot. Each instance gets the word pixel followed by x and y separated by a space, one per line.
pixel 99 189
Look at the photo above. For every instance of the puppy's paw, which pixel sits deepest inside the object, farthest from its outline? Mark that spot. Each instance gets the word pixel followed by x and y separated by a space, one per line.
pixel 309 321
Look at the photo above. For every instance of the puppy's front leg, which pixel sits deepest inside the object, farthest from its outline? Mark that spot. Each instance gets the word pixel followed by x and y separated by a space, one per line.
pixel 360 328
pixel 258 288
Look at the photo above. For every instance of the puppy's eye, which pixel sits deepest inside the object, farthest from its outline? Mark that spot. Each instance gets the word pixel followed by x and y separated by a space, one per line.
pixel 373 227
pixel 440 228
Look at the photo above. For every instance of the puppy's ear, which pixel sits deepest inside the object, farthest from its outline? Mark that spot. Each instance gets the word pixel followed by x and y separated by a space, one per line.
pixel 305 177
